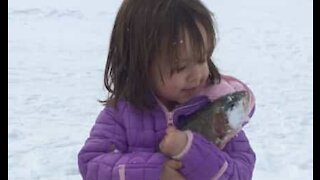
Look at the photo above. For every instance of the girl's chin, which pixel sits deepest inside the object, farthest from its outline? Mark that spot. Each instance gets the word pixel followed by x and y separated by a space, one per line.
pixel 184 99
pixel 187 95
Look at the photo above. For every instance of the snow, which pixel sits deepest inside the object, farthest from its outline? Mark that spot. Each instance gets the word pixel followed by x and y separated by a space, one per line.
pixel 57 52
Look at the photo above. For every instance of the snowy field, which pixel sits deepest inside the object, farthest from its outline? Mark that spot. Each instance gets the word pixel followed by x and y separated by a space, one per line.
pixel 57 52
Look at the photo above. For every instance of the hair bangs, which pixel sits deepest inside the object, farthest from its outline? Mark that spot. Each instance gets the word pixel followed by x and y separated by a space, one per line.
pixel 185 29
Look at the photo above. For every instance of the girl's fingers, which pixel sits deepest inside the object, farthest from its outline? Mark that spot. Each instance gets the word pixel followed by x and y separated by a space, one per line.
pixel 174 164
pixel 170 129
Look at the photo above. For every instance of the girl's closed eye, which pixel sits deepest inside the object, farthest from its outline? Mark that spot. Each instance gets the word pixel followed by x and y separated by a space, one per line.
pixel 181 68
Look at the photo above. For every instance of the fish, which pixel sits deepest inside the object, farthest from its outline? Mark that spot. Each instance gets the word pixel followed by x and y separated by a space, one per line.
pixel 220 119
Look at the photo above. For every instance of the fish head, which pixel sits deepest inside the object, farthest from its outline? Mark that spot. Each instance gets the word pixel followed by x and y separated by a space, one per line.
pixel 236 107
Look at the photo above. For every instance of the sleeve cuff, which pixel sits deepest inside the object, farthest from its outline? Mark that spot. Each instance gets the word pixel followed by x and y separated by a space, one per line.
pixel 188 146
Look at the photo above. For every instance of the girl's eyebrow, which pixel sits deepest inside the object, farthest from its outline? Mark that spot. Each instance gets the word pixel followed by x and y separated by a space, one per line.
pixel 185 58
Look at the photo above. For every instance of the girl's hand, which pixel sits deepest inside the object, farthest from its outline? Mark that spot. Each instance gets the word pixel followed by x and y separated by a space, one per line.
pixel 170 170
pixel 174 142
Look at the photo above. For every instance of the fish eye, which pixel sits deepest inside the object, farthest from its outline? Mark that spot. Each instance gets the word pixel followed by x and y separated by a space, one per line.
pixel 232 105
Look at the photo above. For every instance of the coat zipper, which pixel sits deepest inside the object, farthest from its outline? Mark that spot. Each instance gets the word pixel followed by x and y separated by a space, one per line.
pixel 170 119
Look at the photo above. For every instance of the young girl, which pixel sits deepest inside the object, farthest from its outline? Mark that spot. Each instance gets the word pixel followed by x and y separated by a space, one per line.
pixel 157 72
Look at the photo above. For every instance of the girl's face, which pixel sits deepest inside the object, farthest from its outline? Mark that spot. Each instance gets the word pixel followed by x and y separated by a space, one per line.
pixel 179 87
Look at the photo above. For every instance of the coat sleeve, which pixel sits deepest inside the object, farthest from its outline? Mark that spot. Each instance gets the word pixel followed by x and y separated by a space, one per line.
pixel 104 155
pixel 204 160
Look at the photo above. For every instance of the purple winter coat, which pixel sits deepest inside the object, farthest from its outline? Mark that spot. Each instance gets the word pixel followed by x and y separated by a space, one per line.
pixel 123 143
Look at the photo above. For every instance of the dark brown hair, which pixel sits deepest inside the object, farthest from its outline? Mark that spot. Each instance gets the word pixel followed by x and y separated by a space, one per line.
pixel 143 30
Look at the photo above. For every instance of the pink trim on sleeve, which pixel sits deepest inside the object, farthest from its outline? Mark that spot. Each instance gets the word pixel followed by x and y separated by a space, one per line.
pixel 122 172
pixel 221 171
pixel 188 146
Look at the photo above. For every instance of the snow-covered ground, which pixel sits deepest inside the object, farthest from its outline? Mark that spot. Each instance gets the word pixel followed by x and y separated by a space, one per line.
pixel 57 52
